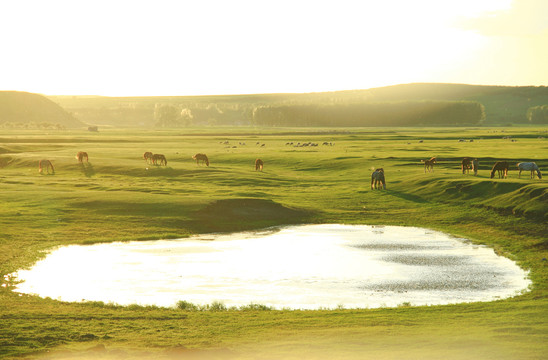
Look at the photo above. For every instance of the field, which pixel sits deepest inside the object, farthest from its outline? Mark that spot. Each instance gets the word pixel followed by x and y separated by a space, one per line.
pixel 117 196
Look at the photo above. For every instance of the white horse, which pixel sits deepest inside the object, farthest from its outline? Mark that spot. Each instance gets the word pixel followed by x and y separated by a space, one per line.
pixel 529 166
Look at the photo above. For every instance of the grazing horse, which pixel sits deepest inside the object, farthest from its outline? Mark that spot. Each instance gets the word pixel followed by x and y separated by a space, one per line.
pixel 47 165
pixel 475 166
pixel 81 156
pixel 429 164
pixel 259 164
pixel 529 166
pixel 159 159
pixel 502 168
pixel 201 157
pixel 466 164
pixel 148 157
pixel 377 178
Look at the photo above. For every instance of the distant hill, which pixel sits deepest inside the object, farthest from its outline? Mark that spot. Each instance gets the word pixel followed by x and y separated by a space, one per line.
pixel 502 104
pixel 23 109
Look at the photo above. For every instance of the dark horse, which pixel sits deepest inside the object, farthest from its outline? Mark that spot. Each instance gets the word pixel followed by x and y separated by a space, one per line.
pixel 201 157
pixel 159 159
pixel 81 156
pixel 429 164
pixel 469 163
pixel 259 165
pixel 502 168
pixel 377 178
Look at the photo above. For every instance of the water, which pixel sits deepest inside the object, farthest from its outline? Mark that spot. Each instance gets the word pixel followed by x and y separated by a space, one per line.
pixel 297 267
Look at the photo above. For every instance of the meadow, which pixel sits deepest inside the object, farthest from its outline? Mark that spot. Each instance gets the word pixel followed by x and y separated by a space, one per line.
pixel 117 196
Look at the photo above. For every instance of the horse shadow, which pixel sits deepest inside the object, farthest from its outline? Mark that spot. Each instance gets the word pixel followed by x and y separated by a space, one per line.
pixel 87 169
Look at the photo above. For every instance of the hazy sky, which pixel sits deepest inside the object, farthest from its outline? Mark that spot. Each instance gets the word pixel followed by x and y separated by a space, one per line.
pixel 193 47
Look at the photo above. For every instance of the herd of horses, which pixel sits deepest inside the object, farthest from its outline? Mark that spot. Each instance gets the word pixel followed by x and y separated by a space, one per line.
pixel 378 180
pixel 151 158
pixel 500 167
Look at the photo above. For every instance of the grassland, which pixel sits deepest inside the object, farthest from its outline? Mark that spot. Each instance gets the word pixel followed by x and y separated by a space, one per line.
pixel 117 196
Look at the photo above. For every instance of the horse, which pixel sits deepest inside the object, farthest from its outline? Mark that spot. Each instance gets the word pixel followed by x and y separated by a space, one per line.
pixel 81 156
pixel 148 156
pixel 502 168
pixel 529 166
pixel 201 157
pixel 429 164
pixel 159 159
pixel 47 165
pixel 377 178
pixel 466 164
pixel 259 164
pixel 475 166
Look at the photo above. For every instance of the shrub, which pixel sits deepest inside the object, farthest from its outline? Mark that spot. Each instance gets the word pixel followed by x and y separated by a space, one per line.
pixel 255 307
pixel 186 305
pixel 217 306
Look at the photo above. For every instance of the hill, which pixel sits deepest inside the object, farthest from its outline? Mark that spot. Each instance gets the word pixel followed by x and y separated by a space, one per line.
pixel 502 104
pixel 28 110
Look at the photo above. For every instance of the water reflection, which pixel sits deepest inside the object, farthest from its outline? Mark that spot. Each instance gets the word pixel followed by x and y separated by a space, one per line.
pixel 306 267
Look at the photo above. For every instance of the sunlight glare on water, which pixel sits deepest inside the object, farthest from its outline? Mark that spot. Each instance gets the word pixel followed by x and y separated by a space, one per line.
pixel 298 267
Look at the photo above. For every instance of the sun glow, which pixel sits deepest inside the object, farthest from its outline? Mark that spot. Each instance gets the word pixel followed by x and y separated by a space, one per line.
pixel 171 47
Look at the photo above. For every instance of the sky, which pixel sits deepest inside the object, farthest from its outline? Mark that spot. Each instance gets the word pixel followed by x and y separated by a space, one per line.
pixel 207 47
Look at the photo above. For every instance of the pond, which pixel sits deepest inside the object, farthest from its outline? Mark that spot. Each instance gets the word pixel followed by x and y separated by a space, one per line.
pixel 295 267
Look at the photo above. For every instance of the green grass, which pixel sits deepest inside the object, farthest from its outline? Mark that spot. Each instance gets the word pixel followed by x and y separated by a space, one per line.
pixel 118 197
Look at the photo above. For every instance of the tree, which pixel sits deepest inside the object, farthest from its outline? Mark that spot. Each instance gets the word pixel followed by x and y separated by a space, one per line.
pixel 186 117
pixel 538 114
pixel 166 115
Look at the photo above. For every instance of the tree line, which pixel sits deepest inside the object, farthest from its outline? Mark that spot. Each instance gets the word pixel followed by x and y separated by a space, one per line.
pixel 401 113
pixel 538 114
pixel 407 104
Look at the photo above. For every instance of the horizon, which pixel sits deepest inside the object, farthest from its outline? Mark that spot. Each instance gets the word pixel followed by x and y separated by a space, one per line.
pixel 243 47
pixel 278 93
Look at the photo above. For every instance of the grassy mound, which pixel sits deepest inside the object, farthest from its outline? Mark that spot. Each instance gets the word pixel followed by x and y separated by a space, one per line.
pixel 503 196
pixel 238 213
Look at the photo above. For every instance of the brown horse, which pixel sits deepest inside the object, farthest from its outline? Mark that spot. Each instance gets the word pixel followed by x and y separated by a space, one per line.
pixel 47 165
pixel 377 179
pixel 201 157
pixel 502 168
pixel 466 164
pixel 475 165
pixel 429 164
pixel 159 159
pixel 81 156
pixel 148 157
pixel 259 164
